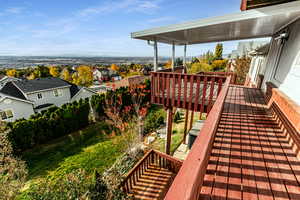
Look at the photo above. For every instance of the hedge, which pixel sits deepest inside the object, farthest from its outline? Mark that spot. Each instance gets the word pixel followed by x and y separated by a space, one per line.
pixel 49 125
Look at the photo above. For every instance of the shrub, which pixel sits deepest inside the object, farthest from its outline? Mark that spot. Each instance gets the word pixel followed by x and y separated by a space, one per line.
pixel 218 65
pixel 75 185
pixel 200 67
pixel 51 124
pixel 154 120
pixel 13 171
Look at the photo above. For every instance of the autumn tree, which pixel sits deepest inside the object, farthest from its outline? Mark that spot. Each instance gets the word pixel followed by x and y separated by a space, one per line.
pixel 31 76
pixel 219 51
pixel 241 68
pixel 200 67
pixel 219 65
pixel 140 99
pixel 114 67
pixel 65 74
pixel 84 76
pixel 168 64
pixel 11 73
pixel 54 71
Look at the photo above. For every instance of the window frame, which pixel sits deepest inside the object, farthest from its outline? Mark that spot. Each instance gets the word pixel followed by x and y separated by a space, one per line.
pixel 57 93
pixel 6 115
pixel 39 96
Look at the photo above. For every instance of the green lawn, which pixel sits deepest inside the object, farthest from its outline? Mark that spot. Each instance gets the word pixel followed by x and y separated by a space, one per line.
pixel 88 149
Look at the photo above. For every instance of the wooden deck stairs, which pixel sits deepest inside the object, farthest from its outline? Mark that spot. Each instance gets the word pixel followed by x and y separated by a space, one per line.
pixel 152 176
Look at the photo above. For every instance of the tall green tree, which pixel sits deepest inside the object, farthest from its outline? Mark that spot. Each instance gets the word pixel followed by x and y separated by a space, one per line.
pixel 219 51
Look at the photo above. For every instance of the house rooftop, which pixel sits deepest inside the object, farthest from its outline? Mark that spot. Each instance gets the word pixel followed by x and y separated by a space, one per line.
pixel 255 23
pixel 38 84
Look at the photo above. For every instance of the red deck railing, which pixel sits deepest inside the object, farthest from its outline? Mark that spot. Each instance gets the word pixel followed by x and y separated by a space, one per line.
pixel 189 179
pixel 231 74
pixel 188 91
pixel 152 157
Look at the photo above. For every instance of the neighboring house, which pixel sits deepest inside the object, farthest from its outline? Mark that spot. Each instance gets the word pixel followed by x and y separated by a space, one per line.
pixel 127 82
pixel 244 48
pixel 257 66
pixel 44 93
pixel 13 108
pixel 115 77
pixel 100 89
pixel 6 79
pixel 100 75
pixel 146 70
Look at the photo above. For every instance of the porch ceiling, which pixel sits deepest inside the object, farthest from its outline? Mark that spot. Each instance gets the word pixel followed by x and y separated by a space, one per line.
pixel 256 23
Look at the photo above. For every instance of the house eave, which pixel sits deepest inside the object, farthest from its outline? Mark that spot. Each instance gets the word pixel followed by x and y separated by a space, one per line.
pixel 256 23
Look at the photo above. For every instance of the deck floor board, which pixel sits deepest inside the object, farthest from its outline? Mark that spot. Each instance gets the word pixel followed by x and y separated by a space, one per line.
pixel 252 157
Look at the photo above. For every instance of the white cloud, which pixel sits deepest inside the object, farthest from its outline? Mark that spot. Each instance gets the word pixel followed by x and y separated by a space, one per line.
pixel 161 19
pixel 122 5
pixel 14 10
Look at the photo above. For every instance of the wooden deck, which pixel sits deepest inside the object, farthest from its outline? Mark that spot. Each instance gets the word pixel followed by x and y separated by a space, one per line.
pixel 152 184
pixel 251 156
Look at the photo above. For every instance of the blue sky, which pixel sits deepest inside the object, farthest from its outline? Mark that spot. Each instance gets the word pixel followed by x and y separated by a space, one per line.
pixel 98 27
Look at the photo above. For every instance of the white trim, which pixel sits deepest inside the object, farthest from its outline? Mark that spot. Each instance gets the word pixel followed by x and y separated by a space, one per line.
pixel 17 99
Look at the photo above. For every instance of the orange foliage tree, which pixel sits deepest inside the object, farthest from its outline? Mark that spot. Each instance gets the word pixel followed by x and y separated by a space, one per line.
pixel 114 67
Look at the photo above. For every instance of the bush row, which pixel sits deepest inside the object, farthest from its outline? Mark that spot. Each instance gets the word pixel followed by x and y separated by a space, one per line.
pixel 48 125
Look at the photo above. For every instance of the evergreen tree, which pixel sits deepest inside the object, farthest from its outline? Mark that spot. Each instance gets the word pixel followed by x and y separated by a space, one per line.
pixel 219 51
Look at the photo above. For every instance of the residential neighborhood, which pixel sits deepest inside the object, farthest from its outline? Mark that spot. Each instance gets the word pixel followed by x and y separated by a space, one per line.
pixel 23 98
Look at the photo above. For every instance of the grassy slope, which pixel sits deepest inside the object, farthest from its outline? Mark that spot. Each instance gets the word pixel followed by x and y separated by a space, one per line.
pixel 88 149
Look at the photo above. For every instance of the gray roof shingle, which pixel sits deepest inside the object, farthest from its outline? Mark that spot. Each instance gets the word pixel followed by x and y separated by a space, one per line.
pixel 38 84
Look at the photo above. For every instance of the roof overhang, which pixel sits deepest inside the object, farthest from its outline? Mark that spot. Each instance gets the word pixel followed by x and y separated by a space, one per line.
pixel 255 23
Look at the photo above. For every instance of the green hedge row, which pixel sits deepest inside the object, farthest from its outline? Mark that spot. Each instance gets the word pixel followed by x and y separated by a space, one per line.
pixel 48 125
pixel 60 121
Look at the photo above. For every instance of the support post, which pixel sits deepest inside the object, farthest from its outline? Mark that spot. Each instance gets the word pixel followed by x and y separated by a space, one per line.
pixel 185 125
pixel 155 64
pixel 184 55
pixel 173 56
pixel 169 130
pixel 191 120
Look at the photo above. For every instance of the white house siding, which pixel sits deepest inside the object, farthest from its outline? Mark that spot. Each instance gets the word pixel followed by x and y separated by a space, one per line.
pixel 49 98
pixel 19 109
pixel 256 68
pixel 287 75
pixel 82 94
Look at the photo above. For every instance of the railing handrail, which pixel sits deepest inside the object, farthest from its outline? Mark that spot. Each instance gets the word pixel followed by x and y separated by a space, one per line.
pixel 190 75
pixel 143 159
pixel 138 165
pixel 189 179
pixel 168 157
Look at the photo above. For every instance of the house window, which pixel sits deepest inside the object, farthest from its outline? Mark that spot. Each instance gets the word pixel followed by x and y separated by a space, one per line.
pixel 57 93
pixel 39 95
pixel 6 114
